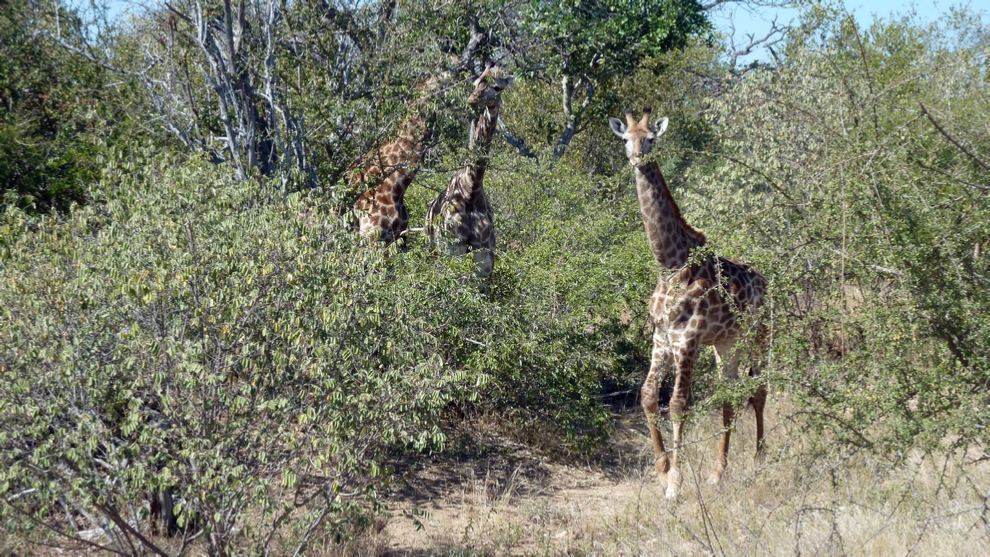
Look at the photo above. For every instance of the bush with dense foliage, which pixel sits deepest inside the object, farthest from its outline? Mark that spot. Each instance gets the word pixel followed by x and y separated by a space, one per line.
pixel 241 349
pixel 855 174
pixel 51 116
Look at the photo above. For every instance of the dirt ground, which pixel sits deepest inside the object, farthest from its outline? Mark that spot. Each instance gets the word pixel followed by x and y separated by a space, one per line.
pixel 512 500
pixel 502 497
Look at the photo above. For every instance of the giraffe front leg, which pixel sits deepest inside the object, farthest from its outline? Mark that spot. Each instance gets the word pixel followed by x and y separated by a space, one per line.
pixel 727 357
pixel 484 260
pixel 456 249
pixel 660 362
pixel 684 360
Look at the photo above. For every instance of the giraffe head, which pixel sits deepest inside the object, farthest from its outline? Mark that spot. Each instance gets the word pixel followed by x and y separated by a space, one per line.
pixel 638 136
pixel 488 88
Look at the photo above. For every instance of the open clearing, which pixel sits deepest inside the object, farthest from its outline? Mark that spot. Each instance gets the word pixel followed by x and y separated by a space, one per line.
pixel 500 497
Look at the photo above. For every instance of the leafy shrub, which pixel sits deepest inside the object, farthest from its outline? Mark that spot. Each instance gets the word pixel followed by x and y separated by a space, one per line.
pixel 853 174
pixel 52 117
pixel 190 333
pixel 185 332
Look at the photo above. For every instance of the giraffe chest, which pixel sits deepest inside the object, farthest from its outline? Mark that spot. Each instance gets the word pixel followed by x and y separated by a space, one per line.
pixel 467 215
pixel 472 225
pixel 667 296
pixel 381 215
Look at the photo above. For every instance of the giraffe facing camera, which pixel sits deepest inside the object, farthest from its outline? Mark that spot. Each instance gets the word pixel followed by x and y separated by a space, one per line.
pixel 461 217
pixel 709 302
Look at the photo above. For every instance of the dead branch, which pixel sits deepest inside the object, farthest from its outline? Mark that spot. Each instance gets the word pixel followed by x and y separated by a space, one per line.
pixel 952 140
pixel 517 142
pixel 772 37
pixel 956 178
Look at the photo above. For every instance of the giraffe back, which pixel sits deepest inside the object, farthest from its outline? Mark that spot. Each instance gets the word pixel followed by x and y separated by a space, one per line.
pixel 709 300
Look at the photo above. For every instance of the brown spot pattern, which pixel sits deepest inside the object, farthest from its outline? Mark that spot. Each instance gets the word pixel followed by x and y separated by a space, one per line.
pixel 380 213
pixel 461 217
pixel 704 303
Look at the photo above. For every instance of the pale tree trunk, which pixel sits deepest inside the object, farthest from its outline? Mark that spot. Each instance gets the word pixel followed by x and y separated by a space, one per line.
pixel 572 116
pixel 261 131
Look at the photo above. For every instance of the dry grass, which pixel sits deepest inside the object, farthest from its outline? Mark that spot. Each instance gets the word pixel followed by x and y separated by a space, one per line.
pixel 513 501
pixel 498 496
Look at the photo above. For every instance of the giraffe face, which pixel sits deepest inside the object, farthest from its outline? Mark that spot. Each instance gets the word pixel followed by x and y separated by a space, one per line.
pixel 640 136
pixel 488 88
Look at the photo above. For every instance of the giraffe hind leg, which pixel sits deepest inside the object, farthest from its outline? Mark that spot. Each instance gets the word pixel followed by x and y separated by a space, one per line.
pixel 759 399
pixel 727 357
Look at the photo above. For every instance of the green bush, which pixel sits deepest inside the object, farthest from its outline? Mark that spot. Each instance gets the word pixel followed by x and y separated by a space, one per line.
pixel 185 331
pixel 189 332
pixel 854 175
pixel 53 116
pixel 237 345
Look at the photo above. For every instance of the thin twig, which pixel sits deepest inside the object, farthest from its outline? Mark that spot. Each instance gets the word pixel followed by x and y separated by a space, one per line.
pixel 960 180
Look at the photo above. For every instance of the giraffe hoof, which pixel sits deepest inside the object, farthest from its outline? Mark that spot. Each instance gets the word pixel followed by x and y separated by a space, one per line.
pixel 673 483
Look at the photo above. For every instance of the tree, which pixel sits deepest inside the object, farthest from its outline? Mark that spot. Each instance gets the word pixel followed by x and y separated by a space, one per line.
pixel 48 107
pixel 857 169
pixel 586 44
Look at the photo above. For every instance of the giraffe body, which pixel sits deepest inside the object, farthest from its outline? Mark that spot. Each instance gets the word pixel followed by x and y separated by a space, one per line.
pixel 694 304
pixel 380 213
pixel 461 216
pixel 465 220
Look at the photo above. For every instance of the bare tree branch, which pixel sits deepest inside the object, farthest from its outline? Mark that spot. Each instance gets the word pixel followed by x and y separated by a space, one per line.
pixel 572 117
pixel 517 142
pixel 772 37
pixel 716 3
pixel 478 39
pixel 951 139
pixel 956 178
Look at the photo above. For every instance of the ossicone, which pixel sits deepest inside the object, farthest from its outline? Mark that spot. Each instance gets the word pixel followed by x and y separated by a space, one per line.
pixel 630 119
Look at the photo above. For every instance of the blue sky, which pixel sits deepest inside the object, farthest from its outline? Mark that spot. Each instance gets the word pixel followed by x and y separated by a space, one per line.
pixel 757 22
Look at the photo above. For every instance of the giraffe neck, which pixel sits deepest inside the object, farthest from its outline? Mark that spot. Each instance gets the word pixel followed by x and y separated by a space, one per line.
pixel 481 138
pixel 407 150
pixel 414 133
pixel 671 237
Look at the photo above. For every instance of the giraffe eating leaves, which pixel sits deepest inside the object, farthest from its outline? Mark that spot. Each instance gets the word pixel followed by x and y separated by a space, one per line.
pixel 380 213
pixel 693 304
pixel 461 216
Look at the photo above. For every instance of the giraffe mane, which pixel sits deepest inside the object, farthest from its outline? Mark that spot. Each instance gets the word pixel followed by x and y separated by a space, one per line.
pixel 698 234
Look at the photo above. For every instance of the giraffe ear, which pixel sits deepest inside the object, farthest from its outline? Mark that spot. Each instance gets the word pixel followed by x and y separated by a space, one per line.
pixel 618 128
pixel 660 127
